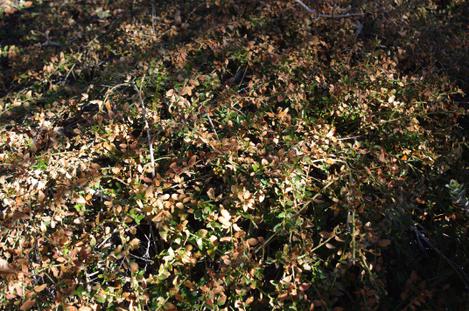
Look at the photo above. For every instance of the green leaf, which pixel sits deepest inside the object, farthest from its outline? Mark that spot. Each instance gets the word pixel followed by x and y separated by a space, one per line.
pixel 136 216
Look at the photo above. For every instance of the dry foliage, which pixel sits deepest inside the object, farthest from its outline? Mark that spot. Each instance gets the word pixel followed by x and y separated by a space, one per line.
pixel 295 162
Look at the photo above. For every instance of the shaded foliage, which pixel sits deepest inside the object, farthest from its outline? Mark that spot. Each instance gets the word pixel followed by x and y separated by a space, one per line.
pixel 299 163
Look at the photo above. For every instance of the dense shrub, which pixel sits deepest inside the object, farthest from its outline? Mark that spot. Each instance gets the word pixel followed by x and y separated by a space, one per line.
pixel 295 162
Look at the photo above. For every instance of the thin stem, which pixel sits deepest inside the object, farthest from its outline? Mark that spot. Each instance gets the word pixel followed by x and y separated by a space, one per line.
pixel 318 16
pixel 147 126
pixel 213 126
pixel 307 8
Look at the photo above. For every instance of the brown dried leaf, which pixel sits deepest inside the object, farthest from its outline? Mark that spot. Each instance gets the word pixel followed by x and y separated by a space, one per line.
pixel 40 288
pixel 134 244
pixel 192 161
pixel 28 304
pixel 211 194
pixel 5 267
pixel 384 243
pixel 252 241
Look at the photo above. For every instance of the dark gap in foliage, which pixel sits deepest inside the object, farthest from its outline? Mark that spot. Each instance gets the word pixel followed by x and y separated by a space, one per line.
pixel 105 161
pixel 150 245
pixel 193 223
pixel 272 272
pixel 317 173
pixel 202 58
pixel 199 271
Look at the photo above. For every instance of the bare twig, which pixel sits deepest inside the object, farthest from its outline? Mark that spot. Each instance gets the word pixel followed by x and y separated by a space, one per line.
pixel 153 16
pixel 213 126
pixel 116 178
pixel 456 268
pixel 147 251
pixel 333 235
pixel 104 241
pixel 320 15
pixel 340 15
pixel 147 126
pixel 242 78
pixel 68 74
pixel 52 43
pixel 307 8
pixel 152 236
pixel 142 258
pixel 349 138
